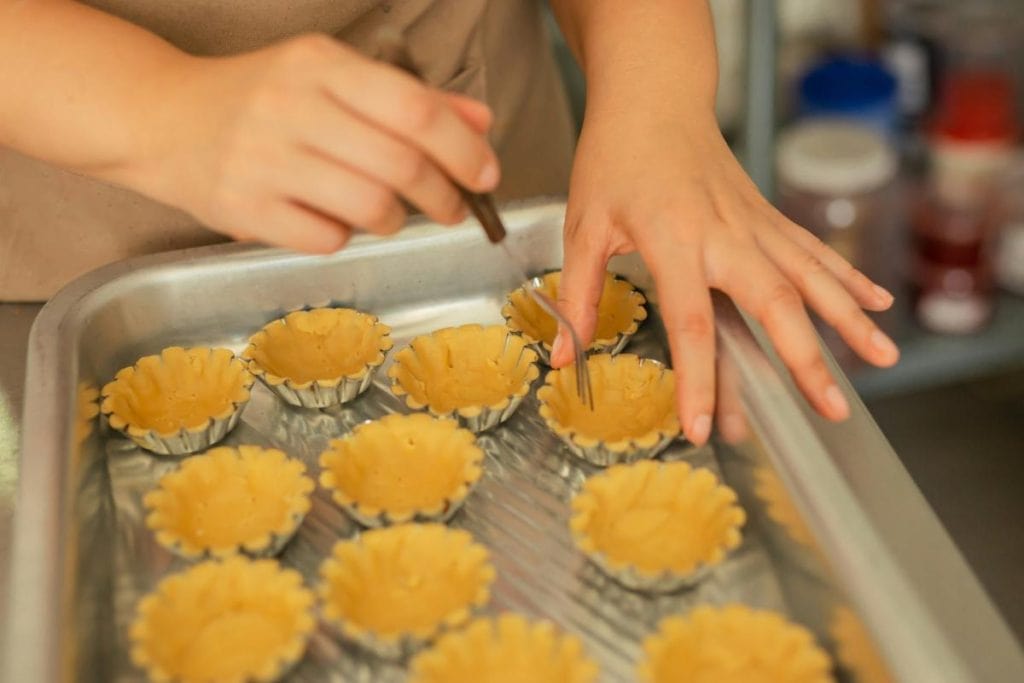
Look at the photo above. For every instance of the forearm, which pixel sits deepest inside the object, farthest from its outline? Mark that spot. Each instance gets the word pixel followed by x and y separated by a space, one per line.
pixel 80 88
pixel 657 53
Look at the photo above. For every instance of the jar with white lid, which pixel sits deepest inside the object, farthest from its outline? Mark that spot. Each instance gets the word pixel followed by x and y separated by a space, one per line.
pixel 833 177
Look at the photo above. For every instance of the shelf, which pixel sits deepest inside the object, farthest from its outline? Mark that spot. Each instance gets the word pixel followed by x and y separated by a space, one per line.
pixel 930 360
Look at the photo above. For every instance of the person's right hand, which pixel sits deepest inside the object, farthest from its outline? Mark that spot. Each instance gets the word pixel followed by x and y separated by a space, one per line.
pixel 303 142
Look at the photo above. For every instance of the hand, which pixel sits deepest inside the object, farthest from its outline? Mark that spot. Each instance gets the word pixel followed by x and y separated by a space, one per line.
pixel 672 190
pixel 300 143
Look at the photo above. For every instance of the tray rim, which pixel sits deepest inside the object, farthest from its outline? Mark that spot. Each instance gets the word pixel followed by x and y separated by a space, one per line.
pixel 34 649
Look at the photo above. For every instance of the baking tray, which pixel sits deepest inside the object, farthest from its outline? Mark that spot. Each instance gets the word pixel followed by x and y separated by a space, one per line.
pixel 85 559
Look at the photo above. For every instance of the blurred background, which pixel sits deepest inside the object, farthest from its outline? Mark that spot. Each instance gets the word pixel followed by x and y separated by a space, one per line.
pixel 891 129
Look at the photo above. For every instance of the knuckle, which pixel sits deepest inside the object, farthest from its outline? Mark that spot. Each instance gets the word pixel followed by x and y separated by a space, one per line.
pixel 307 51
pixel 422 109
pixel 812 367
pixel 377 208
pixel 412 167
pixel 693 325
pixel 809 269
pixel 781 296
pixel 270 100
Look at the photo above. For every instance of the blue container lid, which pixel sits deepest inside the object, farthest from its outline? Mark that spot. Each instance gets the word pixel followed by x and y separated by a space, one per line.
pixel 847 85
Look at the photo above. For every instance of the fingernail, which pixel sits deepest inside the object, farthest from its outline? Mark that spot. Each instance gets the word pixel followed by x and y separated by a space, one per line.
pixel 883 343
pixel 837 402
pixel 884 294
pixel 700 429
pixel 488 178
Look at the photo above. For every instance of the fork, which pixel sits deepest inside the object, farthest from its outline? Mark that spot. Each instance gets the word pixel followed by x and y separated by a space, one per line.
pixel 393 50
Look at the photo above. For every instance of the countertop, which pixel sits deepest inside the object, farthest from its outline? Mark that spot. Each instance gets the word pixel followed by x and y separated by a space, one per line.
pixel 15 323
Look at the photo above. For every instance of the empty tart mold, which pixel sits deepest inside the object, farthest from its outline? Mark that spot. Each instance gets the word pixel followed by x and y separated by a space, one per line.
pixel 634 414
pixel 732 643
pixel 230 500
pixel 392 590
pixel 507 648
pixel 402 468
pixel 223 622
pixel 656 526
pixel 477 374
pixel 319 358
pixel 619 314
pixel 180 401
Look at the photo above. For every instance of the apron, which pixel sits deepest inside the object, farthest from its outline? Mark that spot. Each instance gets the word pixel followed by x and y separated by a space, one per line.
pixel 56 225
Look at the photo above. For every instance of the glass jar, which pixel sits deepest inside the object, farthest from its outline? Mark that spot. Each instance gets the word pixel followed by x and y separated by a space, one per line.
pixel 952 273
pixel 832 179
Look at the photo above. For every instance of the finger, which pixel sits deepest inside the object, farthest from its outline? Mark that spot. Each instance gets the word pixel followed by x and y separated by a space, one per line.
pixel 284 223
pixel 829 298
pixel 342 194
pixel 474 112
pixel 579 290
pixel 363 147
pixel 757 286
pixel 867 294
pixel 422 116
pixel 689 323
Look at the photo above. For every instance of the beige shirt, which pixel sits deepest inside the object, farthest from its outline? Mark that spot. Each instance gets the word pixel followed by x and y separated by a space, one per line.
pixel 56 225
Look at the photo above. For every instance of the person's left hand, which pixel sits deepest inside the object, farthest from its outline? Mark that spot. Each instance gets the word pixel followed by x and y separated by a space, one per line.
pixel 673 191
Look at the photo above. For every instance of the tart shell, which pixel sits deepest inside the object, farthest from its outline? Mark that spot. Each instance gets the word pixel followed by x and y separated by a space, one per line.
pixel 476 374
pixel 507 648
pixel 634 415
pixel 402 468
pixel 180 401
pixel 318 358
pixel 392 590
pixel 226 622
pixel 732 643
pixel 656 527
pixel 226 501
pixel 619 315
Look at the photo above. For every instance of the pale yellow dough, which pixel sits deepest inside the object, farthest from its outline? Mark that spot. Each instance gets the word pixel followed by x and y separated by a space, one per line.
pixel 633 400
pixel 465 367
pixel 320 344
pixel 401 465
pixel 657 517
pixel 620 310
pixel 228 499
pixel 178 389
pixel 409 579
pixel 508 649
pixel 223 622
pixel 733 644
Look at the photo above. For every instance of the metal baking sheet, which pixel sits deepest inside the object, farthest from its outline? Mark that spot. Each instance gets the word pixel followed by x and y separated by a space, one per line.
pixel 84 556
pixel 519 511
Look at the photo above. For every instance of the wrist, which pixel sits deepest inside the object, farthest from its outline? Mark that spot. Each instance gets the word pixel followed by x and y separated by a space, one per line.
pixel 159 122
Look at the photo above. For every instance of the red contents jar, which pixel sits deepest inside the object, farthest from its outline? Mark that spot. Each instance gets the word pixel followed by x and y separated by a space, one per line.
pixel 971 146
pixel 951 269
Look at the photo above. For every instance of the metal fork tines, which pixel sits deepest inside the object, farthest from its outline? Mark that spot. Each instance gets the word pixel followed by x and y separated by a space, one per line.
pixel 583 387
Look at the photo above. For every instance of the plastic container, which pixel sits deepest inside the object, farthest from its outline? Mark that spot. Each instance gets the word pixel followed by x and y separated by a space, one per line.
pixel 833 176
pixel 854 88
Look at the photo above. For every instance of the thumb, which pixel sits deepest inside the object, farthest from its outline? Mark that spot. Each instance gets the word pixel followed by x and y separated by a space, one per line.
pixel 579 292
